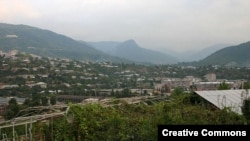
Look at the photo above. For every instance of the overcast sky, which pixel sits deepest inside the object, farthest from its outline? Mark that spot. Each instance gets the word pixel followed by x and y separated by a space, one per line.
pixel 177 25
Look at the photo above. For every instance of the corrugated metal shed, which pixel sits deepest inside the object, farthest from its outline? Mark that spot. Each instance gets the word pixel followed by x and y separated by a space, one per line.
pixel 225 98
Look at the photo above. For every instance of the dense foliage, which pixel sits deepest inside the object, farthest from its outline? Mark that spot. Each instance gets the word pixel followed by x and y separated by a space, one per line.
pixel 132 122
pixel 137 122
pixel 246 109
pixel 232 56
pixel 47 43
pixel 223 86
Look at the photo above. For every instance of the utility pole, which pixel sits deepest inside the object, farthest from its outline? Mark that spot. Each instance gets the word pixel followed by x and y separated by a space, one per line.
pixel 141 86
pixel 52 129
pixel 13 130
pixel 242 84
pixel 26 136
pixel 95 90
pixel 30 129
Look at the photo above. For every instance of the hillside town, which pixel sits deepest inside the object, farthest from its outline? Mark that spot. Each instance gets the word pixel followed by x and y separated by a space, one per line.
pixel 31 84
pixel 20 70
pixel 26 75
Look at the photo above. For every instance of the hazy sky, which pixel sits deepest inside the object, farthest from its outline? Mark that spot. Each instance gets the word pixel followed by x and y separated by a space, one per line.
pixel 157 24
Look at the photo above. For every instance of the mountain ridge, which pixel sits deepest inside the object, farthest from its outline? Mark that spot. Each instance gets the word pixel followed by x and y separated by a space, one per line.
pixel 48 43
pixel 129 49
pixel 237 55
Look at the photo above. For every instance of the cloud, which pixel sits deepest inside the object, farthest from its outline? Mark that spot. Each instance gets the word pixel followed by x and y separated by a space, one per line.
pixel 173 24
pixel 15 10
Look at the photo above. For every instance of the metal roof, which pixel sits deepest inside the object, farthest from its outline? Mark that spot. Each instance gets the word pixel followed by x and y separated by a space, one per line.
pixel 225 98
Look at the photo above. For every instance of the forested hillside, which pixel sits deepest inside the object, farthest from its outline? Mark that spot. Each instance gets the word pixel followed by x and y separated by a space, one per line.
pixel 48 44
pixel 231 56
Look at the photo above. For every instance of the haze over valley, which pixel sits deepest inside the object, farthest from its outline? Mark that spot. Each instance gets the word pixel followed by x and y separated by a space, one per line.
pixel 73 70
pixel 157 25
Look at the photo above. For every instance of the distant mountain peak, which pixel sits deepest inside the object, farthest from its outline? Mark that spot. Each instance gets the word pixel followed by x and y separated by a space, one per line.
pixel 129 44
pixel 130 41
pixel 130 50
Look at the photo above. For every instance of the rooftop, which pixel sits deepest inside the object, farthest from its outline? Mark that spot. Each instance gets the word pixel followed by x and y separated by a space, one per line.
pixel 225 98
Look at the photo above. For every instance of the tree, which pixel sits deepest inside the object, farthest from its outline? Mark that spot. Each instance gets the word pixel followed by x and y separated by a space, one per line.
pixel 246 85
pixel 177 91
pixel 126 92
pixel 44 100
pixel 12 109
pixel 12 101
pixel 53 100
pixel 223 86
pixel 145 92
pixel 246 109
pixel 117 93
pixel 112 92
pixel 36 100
pixel 27 102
